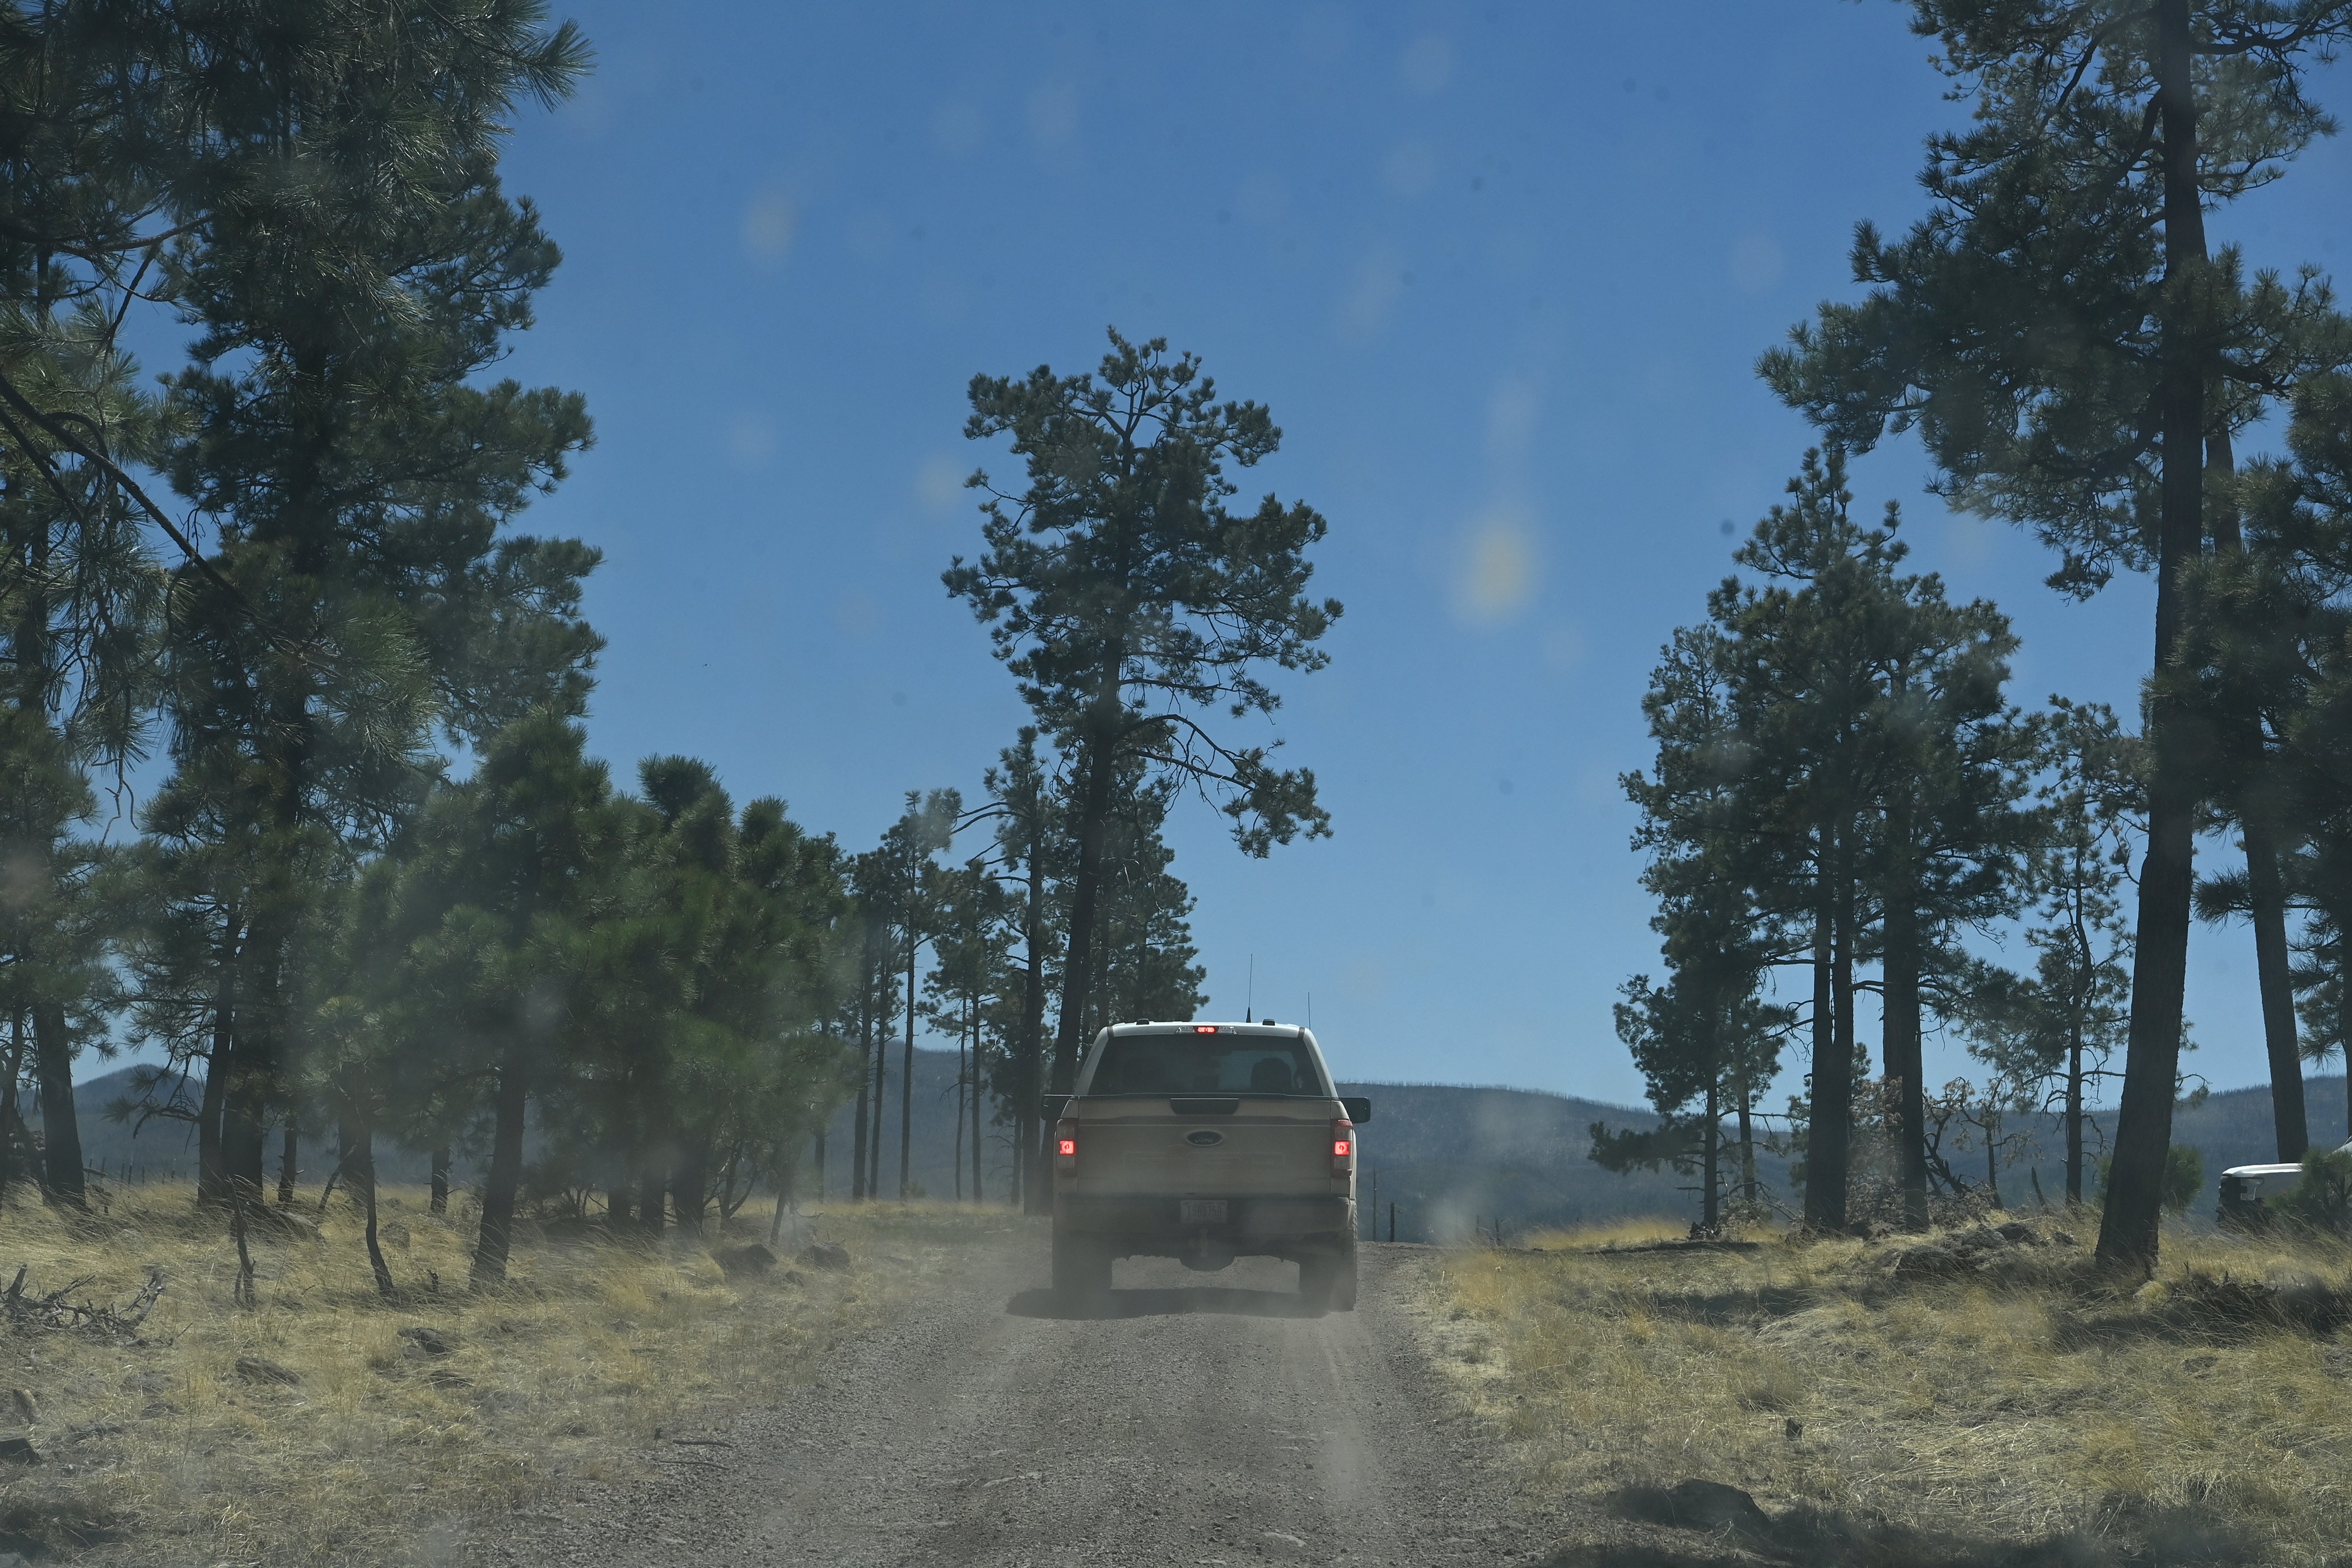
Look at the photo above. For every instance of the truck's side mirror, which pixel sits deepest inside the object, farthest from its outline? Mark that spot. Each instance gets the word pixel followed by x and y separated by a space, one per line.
pixel 1053 1105
pixel 1358 1109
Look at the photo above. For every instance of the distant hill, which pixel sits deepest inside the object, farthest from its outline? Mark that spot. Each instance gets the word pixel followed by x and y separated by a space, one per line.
pixel 1448 1157
pixel 2230 1128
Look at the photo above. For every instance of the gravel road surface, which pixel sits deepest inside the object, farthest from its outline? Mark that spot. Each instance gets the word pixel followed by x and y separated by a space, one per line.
pixel 1205 1420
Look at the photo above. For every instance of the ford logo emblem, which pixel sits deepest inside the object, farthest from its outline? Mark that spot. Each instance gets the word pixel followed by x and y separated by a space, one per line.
pixel 1204 1138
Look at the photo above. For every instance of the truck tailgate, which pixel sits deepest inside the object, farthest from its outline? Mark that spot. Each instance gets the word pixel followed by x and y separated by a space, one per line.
pixel 1154 1146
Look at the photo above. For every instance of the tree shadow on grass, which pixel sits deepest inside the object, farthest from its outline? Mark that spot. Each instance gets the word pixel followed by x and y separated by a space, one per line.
pixel 1722 1527
pixel 1219 1300
pixel 1733 1307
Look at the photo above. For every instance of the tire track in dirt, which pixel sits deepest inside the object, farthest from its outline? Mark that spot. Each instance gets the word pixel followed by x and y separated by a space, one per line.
pixel 1202 1420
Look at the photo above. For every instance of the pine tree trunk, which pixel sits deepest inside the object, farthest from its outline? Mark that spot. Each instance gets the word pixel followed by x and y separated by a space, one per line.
pixel 2267 890
pixel 1028 1131
pixel 618 1203
pixel 2074 1116
pixel 2288 1116
pixel 440 1203
pixel 653 1196
pixel 212 1172
pixel 244 1110
pixel 1827 1108
pixel 503 1183
pixel 881 1099
pixel 1843 940
pixel 1078 964
pixel 1746 1143
pixel 786 1188
pixel 61 1157
pixel 690 1185
pixel 2128 1229
pixel 963 1093
pixel 977 1194
pixel 907 1079
pixel 1711 1201
pixel 1904 1060
pixel 857 1118
pixel 356 1165
pixel 820 1163
pixel 1992 1155
pixel 885 1006
pixel 288 1151
pixel 16 1151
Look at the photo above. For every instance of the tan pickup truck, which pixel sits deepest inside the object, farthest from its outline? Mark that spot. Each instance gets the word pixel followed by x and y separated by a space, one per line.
pixel 1205 1143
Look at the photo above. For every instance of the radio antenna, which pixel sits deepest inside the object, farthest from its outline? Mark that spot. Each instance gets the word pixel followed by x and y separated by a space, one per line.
pixel 1249 1003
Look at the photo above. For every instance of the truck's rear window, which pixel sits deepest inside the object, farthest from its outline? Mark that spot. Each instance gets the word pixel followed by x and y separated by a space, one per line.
pixel 1205 1064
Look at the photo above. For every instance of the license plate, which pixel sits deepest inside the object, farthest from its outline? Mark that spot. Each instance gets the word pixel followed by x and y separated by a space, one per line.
pixel 1201 1211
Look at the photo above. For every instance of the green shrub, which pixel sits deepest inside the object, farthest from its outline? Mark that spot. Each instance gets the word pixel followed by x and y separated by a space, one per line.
pixel 2184 1177
pixel 2323 1198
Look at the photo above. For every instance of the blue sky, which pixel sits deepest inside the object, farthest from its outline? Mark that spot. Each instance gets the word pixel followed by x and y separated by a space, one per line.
pixel 1501 272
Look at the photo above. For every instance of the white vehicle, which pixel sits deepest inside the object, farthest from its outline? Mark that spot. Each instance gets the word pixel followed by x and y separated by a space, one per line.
pixel 1205 1143
pixel 2241 1190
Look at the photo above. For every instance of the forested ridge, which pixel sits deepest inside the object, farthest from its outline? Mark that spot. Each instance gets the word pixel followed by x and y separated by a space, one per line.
pixel 1849 798
pixel 379 891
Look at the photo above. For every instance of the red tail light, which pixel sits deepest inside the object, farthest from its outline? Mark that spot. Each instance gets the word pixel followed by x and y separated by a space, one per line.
pixel 1343 1145
pixel 1065 1144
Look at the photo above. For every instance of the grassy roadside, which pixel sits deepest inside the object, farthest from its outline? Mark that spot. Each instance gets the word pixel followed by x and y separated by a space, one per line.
pixel 309 1428
pixel 1896 1401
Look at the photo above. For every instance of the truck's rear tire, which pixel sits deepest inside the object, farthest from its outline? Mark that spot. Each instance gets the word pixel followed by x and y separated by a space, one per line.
pixel 1327 1279
pixel 1081 1271
pixel 1319 1273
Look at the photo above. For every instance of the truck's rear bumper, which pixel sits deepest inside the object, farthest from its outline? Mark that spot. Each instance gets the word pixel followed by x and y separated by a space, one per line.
pixel 1152 1222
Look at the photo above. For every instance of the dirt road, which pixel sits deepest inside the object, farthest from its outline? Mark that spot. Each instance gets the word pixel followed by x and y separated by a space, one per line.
pixel 1205 1420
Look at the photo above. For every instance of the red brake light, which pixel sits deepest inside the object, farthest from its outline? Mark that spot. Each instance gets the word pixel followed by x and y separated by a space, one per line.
pixel 1204 1028
pixel 1068 1146
pixel 1338 1148
pixel 1343 1146
pixel 1065 1144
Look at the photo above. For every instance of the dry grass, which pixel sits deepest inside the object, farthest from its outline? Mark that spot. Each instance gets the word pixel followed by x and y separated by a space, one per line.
pixel 2013 1401
pixel 1617 1233
pixel 161 1450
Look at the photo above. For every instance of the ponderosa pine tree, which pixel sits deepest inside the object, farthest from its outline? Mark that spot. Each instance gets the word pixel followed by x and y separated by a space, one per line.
pixel 57 990
pixel 1807 653
pixel 1128 601
pixel 2294 643
pixel 81 595
pixel 1702 1044
pixel 1026 815
pixel 1838 777
pixel 973 914
pixel 2241 667
pixel 1143 942
pixel 1707 1035
pixel 914 842
pixel 2056 1029
pixel 1952 830
pixel 353 267
pixel 800 1069
pixel 2064 343
pixel 505 919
